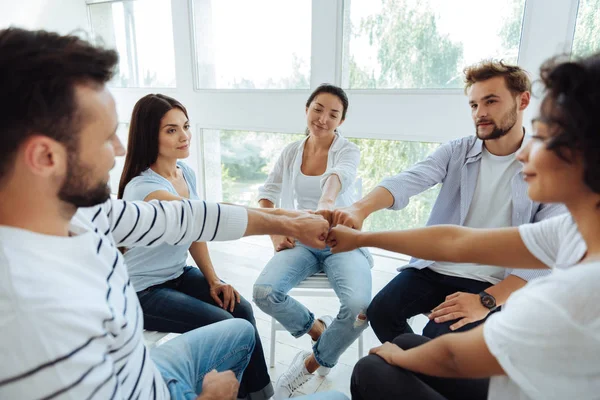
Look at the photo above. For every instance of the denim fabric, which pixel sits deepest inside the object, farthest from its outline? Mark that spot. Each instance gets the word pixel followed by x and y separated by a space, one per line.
pixel 184 304
pixel 184 361
pixel 350 276
pixel 413 292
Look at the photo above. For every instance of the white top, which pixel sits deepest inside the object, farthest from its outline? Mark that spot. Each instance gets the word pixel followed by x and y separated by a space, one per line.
pixel 555 242
pixel 342 160
pixel 308 191
pixel 70 320
pixel 491 207
pixel 547 338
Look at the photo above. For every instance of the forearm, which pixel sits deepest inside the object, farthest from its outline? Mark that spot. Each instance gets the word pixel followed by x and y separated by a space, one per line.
pixel 378 199
pixel 456 355
pixel 432 243
pixel 329 193
pixel 262 222
pixel 264 203
pixel 199 252
pixel 502 290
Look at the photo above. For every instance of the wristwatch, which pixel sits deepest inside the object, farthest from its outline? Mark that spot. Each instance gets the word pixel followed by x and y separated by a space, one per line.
pixel 487 300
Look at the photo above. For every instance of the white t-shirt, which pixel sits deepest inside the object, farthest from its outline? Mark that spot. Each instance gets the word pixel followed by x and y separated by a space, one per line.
pixel 70 321
pixel 308 191
pixel 547 337
pixel 491 207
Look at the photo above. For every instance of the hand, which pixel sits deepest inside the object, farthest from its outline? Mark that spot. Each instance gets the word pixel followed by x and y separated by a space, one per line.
pixel 347 216
pixel 282 242
pixel 341 238
pixel 325 213
pixel 464 306
pixel 387 351
pixel 219 385
pixel 230 295
pixel 310 229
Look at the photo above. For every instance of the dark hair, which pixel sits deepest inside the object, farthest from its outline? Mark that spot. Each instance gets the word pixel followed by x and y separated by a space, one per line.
pixel 516 78
pixel 331 89
pixel 142 144
pixel 570 107
pixel 38 74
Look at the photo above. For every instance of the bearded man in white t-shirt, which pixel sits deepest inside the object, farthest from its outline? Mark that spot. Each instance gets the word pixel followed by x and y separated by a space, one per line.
pixel 482 187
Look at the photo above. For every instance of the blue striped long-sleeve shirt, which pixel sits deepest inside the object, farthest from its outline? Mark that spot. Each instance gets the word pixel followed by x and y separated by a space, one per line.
pixel 456 164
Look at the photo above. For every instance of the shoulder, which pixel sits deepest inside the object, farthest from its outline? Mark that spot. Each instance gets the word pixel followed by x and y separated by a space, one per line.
pixel 142 185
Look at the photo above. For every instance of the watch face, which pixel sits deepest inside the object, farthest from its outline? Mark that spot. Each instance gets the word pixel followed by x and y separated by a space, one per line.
pixel 488 301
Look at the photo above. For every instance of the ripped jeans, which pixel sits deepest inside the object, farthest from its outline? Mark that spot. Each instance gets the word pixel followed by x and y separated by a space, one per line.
pixel 350 276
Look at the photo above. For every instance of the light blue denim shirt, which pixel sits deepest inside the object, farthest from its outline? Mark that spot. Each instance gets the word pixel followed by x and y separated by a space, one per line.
pixel 149 266
pixel 456 166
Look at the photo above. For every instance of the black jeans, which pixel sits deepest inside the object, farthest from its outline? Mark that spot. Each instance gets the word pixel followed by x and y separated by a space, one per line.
pixel 413 292
pixel 374 379
pixel 184 304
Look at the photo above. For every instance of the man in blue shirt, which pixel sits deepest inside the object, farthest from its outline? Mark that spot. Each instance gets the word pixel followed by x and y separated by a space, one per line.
pixel 482 187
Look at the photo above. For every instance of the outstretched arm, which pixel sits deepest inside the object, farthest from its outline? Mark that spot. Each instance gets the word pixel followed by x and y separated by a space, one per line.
pixel 502 247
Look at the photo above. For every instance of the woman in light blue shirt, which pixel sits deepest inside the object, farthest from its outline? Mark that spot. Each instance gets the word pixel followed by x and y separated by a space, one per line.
pixel 176 297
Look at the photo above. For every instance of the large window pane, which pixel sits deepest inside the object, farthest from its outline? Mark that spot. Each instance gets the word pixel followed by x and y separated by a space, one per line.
pixel 425 43
pixel 587 29
pixel 236 163
pixel 382 158
pixel 259 44
pixel 142 34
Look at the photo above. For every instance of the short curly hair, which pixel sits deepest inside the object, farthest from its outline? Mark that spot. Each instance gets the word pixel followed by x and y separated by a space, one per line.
pixel 516 78
pixel 569 107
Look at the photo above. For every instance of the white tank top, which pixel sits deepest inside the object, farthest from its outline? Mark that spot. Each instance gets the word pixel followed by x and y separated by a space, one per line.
pixel 308 191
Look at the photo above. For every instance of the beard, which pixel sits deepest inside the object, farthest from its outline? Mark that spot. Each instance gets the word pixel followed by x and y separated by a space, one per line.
pixel 76 189
pixel 507 122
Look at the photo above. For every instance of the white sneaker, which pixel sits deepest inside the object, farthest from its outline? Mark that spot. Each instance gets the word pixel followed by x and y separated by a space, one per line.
pixel 326 320
pixel 293 378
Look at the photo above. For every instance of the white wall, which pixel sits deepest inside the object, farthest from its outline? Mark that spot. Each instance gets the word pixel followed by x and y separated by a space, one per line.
pixel 61 16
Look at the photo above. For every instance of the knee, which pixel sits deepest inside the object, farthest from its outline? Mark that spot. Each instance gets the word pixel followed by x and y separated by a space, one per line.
pixel 245 331
pixel 407 341
pixel 264 296
pixel 355 309
pixel 433 329
pixel 244 310
pixel 366 371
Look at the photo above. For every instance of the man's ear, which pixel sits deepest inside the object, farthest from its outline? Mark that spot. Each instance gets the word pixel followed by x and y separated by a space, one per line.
pixel 524 100
pixel 44 156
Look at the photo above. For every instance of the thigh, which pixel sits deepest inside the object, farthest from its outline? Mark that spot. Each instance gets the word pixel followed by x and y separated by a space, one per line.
pixel 288 268
pixel 410 293
pixel 186 359
pixel 350 276
pixel 193 283
pixel 169 310
pixel 450 388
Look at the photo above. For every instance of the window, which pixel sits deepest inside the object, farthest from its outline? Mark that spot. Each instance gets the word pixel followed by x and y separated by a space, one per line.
pixel 400 44
pixel 382 158
pixel 115 173
pixel 587 29
pixel 236 163
pixel 142 34
pixel 261 44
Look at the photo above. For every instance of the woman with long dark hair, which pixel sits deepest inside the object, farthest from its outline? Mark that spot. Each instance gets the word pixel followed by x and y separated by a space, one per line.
pixel 176 297
pixel 545 344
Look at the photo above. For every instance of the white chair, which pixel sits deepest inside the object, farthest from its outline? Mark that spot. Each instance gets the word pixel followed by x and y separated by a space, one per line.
pixel 316 285
pixel 152 338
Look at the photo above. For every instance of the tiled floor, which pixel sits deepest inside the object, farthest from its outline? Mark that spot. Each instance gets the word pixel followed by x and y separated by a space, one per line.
pixel 239 263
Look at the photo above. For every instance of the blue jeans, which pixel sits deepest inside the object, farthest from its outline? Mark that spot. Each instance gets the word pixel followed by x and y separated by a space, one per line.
pixel 185 360
pixel 184 304
pixel 350 276
pixel 413 292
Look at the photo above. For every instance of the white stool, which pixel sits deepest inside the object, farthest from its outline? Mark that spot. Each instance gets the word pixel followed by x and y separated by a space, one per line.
pixel 151 338
pixel 316 285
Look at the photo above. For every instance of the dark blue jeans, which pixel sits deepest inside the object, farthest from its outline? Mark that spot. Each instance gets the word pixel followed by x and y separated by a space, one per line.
pixel 413 292
pixel 184 304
